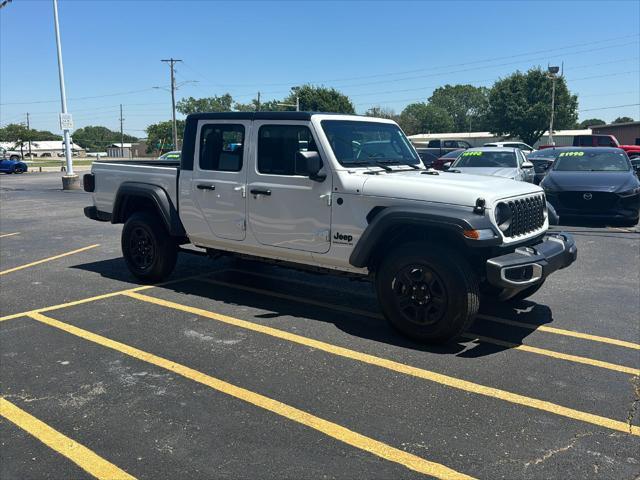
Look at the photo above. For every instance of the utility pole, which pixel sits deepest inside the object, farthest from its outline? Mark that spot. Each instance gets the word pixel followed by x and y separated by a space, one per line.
pixel 69 181
pixel 172 62
pixel 29 128
pixel 121 134
pixel 258 105
pixel 552 74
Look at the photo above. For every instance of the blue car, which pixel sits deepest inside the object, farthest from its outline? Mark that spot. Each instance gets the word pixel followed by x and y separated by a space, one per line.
pixel 12 166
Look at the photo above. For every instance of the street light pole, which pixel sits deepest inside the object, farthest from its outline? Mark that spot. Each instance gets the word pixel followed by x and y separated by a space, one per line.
pixel 172 62
pixel 552 74
pixel 71 180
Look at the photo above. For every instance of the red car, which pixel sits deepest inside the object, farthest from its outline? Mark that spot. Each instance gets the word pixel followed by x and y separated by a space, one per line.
pixel 450 157
pixel 605 141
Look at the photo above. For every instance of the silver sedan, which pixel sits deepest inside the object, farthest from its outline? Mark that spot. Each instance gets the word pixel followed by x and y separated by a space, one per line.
pixel 495 161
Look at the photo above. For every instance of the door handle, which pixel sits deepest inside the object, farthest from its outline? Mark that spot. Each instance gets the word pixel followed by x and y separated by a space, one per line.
pixel 202 186
pixel 256 191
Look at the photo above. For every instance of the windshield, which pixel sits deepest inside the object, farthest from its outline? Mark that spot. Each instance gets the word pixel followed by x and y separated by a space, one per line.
pixel 365 143
pixel 454 154
pixel 592 161
pixel 547 153
pixel 170 156
pixel 477 158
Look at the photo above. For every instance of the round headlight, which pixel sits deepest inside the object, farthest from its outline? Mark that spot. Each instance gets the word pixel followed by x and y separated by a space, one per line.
pixel 503 217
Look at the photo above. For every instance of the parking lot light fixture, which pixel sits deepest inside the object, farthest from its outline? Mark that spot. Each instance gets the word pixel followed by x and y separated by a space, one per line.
pixel 69 180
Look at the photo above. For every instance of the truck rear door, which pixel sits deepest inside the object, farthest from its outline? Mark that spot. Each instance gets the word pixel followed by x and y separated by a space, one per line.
pixel 216 187
pixel 286 208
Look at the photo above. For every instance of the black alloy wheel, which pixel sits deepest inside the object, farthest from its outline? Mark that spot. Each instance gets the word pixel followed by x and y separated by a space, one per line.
pixel 142 248
pixel 420 294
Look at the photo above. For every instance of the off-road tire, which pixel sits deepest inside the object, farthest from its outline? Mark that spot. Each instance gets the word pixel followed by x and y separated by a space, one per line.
pixel 148 249
pixel 422 272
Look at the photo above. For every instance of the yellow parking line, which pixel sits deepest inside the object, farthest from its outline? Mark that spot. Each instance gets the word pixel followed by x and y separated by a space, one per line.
pixel 330 429
pixel 98 297
pixel 494 341
pixel 55 257
pixel 554 354
pixel 513 323
pixel 402 368
pixel 77 453
pixel 75 302
pixel 560 331
pixel 9 234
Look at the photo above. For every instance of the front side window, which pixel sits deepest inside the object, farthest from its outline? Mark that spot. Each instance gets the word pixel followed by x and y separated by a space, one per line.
pixel 477 158
pixel 221 147
pixel 590 160
pixel 367 143
pixel 278 146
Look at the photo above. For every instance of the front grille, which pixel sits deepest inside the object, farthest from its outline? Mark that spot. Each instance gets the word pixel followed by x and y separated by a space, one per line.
pixel 588 201
pixel 527 215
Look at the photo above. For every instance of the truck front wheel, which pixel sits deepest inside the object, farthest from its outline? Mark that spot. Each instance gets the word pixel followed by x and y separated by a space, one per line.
pixel 427 292
pixel 147 247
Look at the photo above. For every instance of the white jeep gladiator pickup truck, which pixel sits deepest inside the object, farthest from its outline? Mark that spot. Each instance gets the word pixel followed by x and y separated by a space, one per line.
pixel 336 193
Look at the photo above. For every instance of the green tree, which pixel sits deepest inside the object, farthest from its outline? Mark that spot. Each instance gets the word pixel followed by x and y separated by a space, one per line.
pixel 96 138
pixel 254 106
pixel 623 120
pixel 423 118
pixel 20 134
pixel 382 112
pixel 207 104
pixel 320 99
pixel 160 136
pixel 590 122
pixel 467 105
pixel 520 106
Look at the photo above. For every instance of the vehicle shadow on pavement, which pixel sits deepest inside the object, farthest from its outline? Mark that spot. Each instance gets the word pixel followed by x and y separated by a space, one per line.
pixel 326 299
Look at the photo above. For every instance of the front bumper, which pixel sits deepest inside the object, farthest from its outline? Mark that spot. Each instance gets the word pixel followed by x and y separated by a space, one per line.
pixel 529 265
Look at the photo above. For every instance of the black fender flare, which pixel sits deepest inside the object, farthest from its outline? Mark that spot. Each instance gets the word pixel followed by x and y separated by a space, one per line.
pixel 445 218
pixel 158 196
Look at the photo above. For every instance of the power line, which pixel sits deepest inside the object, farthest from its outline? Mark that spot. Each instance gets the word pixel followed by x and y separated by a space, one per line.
pixel 129 92
pixel 476 62
pixel 609 108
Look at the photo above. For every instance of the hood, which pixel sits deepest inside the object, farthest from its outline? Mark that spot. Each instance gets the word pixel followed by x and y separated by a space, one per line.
pixel 593 181
pixel 493 171
pixel 453 188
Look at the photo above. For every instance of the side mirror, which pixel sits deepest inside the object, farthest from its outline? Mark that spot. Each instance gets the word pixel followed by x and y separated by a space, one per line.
pixel 527 164
pixel 313 164
pixel 446 166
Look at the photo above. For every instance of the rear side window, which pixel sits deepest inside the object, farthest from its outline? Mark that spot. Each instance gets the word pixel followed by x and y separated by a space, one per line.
pixel 221 147
pixel 605 142
pixel 278 146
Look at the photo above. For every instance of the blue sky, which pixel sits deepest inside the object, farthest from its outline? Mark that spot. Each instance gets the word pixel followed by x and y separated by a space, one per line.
pixel 378 53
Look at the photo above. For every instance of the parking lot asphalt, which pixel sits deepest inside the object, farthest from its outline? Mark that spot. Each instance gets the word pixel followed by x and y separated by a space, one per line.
pixel 235 369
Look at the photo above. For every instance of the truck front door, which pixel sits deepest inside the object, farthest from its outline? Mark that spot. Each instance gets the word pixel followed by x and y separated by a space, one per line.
pixel 219 177
pixel 286 208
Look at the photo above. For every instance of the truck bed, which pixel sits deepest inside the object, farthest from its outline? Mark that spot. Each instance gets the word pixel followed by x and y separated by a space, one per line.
pixel 110 175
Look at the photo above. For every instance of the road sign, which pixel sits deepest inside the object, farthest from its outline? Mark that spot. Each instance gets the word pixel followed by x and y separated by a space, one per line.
pixel 66 121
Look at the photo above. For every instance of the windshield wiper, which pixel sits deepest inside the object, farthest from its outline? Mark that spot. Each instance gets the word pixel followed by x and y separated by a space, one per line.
pixel 396 162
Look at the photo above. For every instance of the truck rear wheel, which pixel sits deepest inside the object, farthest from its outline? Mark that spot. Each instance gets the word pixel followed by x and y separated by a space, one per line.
pixel 147 247
pixel 427 292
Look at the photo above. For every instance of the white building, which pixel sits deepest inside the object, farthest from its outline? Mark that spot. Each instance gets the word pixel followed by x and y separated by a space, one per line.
pixel 562 138
pixel 45 148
